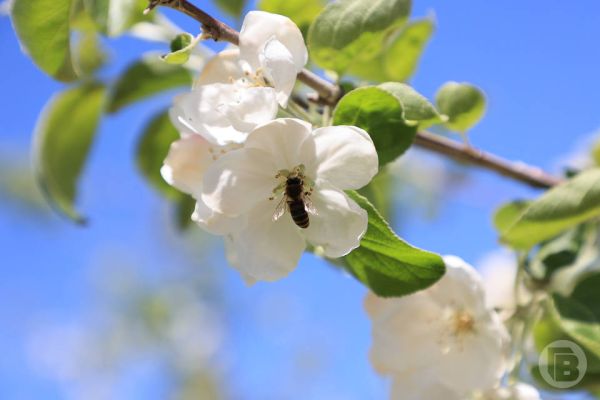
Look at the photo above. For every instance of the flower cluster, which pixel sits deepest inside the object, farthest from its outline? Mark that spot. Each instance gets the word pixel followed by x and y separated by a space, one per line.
pixel 247 170
pixel 443 342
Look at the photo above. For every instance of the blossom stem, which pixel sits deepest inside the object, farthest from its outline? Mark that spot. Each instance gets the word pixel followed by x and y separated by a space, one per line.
pixel 330 93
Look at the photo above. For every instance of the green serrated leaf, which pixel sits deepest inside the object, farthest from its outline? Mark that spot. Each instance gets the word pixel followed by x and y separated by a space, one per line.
pixel 388 265
pixel 114 17
pixel 63 138
pixel 350 31
pixel 43 28
pixel 181 48
pixel 562 207
pixel 575 319
pixel 463 103
pixel 560 252
pixel 401 57
pixel 145 78
pixel 152 149
pixel 378 112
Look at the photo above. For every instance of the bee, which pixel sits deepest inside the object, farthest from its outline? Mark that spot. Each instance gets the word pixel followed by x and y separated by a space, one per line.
pixel 296 196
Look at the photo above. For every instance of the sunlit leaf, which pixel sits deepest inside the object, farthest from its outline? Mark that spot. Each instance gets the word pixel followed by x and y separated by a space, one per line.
pixel 402 56
pixel 114 17
pixel 562 207
pixel 88 54
pixel 233 7
pixel 146 78
pixel 302 12
pixel 63 138
pixel 463 103
pixel 43 29
pixel 388 265
pixel 350 31
pixel 181 48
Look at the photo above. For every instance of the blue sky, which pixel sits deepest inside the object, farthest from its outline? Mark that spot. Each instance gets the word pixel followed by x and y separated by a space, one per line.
pixel 306 336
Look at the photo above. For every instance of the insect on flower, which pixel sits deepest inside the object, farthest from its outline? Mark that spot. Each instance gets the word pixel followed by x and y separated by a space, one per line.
pixel 297 189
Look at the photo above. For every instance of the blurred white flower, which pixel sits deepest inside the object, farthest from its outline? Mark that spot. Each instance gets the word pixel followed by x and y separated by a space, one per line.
pixel 272 46
pixel 499 270
pixel 445 335
pixel 250 185
pixel 519 391
pixel 222 68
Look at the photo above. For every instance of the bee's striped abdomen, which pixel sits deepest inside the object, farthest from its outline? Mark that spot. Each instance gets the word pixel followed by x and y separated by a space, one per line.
pixel 298 212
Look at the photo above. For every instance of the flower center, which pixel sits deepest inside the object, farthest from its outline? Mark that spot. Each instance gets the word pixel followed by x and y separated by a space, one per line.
pixel 463 323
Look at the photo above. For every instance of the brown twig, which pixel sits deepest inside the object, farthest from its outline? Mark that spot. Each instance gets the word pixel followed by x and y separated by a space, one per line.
pixel 330 94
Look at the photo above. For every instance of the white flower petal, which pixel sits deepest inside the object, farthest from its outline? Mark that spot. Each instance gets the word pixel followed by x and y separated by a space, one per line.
pixel 266 250
pixel 339 225
pixel 279 69
pixel 421 385
pixel 346 156
pixel 252 107
pixel 186 162
pixel 223 113
pixel 222 68
pixel 259 27
pixel 215 222
pixel 288 141
pixel 238 181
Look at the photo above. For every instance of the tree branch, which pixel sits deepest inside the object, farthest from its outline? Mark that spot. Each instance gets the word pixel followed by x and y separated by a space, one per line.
pixel 330 94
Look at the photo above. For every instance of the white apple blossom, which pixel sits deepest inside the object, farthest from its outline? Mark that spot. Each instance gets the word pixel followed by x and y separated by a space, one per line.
pixel 442 338
pixel 247 186
pixel 272 46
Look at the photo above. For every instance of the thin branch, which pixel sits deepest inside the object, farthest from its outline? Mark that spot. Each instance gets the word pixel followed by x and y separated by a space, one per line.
pixel 522 172
pixel 330 94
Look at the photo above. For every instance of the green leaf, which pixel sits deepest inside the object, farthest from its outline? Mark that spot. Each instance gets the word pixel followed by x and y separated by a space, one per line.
pixel 145 78
pixel 388 265
pixel 508 214
pixel 402 56
pixel 152 149
pixel 114 17
pixel 560 252
pixel 302 12
pixel 564 206
pixel 390 113
pixel 596 153
pixel 463 103
pixel 587 292
pixel 63 138
pixel 350 31
pixel 416 109
pixel 43 29
pixel 184 208
pixel 380 192
pixel 577 321
pixel 181 48
pixel 88 55
pixel 232 7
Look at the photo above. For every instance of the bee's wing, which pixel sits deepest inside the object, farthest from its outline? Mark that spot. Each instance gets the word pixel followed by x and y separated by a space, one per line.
pixel 309 206
pixel 280 209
